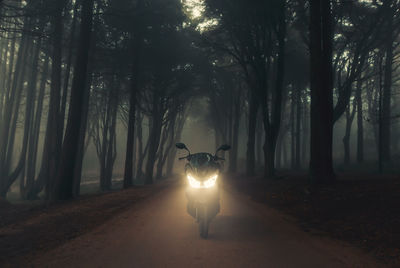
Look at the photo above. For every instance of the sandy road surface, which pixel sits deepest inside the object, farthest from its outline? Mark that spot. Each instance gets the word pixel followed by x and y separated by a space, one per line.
pixel 159 233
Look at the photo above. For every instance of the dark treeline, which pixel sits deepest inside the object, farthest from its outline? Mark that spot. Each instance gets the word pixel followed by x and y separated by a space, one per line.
pixel 284 79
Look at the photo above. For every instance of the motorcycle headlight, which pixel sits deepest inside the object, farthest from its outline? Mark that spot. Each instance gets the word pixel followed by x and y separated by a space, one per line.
pixel 193 182
pixel 210 182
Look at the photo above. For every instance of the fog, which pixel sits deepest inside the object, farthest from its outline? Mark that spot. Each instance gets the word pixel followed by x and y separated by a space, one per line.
pixel 92 93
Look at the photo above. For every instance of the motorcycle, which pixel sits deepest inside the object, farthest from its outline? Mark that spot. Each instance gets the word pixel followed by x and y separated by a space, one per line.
pixel 202 171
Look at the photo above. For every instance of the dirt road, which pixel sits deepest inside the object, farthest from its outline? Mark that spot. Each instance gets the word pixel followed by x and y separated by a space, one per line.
pixel 159 233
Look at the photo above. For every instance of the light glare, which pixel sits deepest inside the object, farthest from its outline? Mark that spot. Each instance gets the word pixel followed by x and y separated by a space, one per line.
pixel 206 184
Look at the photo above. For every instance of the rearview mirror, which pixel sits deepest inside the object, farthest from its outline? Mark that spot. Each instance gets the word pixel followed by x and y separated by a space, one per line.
pixel 180 145
pixel 224 147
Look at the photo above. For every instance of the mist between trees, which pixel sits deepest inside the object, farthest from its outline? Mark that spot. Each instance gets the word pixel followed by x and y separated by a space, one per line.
pixel 103 89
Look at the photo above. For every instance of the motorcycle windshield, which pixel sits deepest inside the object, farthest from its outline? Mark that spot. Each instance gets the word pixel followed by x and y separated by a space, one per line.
pixel 202 166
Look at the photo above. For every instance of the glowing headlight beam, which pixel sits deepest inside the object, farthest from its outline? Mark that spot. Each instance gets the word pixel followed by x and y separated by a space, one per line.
pixel 206 184
pixel 211 181
pixel 193 182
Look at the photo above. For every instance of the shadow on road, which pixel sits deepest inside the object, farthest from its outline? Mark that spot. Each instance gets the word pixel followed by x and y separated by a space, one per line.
pixel 237 228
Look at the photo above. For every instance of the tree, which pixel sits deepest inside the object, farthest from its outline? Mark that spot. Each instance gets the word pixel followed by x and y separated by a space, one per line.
pixel 64 183
pixel 225 101
pixel 389 8
pixel 136 52
pixel 104 120
pixel 254 36
pixel 321 85
pixel 12 94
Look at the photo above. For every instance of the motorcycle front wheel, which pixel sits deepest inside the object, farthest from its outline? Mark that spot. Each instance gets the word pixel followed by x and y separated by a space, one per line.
pixel 203 223
pixel 203 228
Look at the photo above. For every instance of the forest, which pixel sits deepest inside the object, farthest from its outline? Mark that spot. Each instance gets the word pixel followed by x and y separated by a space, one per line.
pixel 281 82
pixel 98 92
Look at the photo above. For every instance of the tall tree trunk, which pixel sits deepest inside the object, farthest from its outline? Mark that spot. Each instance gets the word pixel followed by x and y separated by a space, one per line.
pixel 321 84
pixel 372 98
pixel 168 139
pixel 272 128
pixel 4 58
pixel 278 154
pixel 177 138
pixel 284 153
pixel 250 154
pixel 153 147
pixel 346 139
pixel 360 125
pixel 37 185
pixel 380 116
pixel 10 70
pixel 259 141
pixel 68 68
pixel 233 154
pixel 65 175
pixel 128 174
pixel 82 138
pixel 292 132
pixel 298 124
pixel 53 137
pixel 141 154
pixel 160 154
pixel 306 130
pixel 110 145
pixel 136 51
pixel 154 138
pixel 387 86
